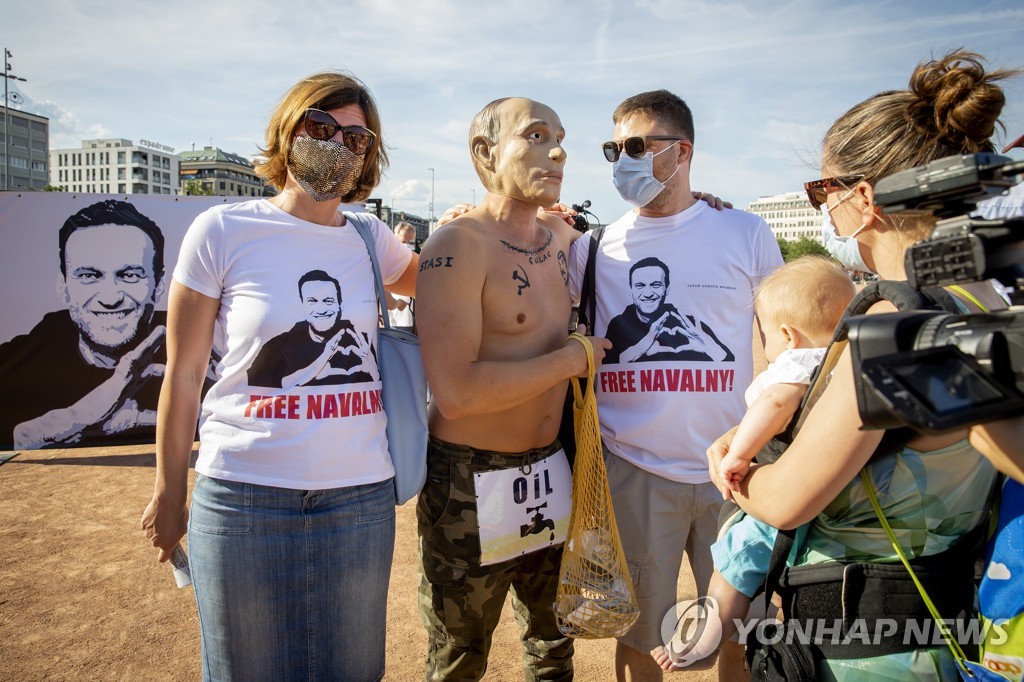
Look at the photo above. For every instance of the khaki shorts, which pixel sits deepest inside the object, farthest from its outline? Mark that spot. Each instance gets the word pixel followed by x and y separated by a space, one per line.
pixel 658 520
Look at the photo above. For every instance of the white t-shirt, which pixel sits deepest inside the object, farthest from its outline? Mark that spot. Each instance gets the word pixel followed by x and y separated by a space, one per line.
pixel 1007 205
pixel 664 395
pixel 793 366
pixel 403 317
pixel 285 411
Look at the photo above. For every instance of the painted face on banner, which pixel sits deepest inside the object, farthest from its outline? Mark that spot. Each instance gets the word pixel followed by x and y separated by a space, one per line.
pixel 110 284
pixel 320 301
pixel 529 156
pixel 648 287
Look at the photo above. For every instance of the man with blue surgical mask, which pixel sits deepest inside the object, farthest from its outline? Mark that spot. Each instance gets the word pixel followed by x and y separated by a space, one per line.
pixel 658 417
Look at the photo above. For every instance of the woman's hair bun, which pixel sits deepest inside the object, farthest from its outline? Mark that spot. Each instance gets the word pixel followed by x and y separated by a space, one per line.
pixel 956 100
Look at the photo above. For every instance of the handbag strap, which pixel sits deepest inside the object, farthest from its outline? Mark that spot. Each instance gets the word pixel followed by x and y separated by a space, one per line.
pixel 364 232
pixel 588 297
pixel 951 642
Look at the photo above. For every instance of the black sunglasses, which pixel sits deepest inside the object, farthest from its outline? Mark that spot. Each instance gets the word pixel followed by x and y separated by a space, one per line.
pixel 633 146
pixel 321 126
pixel 818 190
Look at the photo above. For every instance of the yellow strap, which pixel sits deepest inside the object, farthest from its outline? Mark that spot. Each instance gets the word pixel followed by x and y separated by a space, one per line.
pixel 969 296
pixel 587 346
pixel 951 642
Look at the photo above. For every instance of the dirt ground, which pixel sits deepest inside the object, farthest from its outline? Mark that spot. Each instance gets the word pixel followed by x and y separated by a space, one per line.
pixel 82 596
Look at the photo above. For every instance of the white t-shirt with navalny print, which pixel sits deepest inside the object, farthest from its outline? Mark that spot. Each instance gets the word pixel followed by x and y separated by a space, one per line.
pixel 297 399
pixel 681 331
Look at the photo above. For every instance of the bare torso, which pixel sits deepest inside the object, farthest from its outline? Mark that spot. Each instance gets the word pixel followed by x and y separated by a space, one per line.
pixel 524 307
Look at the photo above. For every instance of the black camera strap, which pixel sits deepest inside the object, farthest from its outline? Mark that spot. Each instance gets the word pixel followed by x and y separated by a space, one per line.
pixel 584 313
pixel 588 298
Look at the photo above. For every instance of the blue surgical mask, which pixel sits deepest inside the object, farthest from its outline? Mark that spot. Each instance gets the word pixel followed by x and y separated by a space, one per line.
pixel 634 178
pixel 846 250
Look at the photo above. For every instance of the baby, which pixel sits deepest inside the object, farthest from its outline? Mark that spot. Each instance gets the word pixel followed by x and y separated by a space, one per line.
pixel 798 307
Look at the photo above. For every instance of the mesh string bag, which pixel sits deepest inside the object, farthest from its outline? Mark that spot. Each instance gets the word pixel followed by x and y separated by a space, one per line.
pixel 595 596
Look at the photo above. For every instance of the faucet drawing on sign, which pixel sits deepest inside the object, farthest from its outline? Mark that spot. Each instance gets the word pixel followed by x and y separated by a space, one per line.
pixel 538 523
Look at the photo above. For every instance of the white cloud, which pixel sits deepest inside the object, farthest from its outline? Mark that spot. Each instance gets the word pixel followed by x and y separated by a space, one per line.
pixel 67 129
pixel 998 571
pixel 411 189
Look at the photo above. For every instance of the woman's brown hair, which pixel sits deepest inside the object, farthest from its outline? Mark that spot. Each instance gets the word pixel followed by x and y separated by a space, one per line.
pixel 951 106
pixel 327 90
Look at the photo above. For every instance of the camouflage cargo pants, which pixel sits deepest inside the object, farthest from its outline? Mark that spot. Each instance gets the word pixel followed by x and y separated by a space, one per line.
pixel 460 601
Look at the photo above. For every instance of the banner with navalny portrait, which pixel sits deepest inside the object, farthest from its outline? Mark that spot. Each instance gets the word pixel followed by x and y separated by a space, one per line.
pixel 84 280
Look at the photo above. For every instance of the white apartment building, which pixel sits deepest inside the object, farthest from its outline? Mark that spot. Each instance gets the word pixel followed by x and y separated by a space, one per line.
pixel 220 173
pixel 23 150
pixel 789 215
pixel 116 166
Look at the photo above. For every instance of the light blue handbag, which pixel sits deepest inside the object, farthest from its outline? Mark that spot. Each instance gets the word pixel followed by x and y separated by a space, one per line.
pixel 403 389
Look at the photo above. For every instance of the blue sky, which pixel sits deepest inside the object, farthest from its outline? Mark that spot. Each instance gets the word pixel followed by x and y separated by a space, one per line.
pixel 764 79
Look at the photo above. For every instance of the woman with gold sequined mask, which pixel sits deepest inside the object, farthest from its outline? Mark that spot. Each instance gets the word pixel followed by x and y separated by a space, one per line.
pixel 293 508
pixel 324 143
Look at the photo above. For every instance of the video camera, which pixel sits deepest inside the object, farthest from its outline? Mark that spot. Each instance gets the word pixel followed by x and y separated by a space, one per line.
pixel 930 370
pixel 580 222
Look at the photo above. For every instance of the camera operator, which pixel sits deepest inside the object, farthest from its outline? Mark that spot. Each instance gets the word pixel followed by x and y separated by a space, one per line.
pixel 935 489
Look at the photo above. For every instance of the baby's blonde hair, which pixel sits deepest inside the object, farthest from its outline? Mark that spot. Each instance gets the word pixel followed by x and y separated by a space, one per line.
pixel 809 293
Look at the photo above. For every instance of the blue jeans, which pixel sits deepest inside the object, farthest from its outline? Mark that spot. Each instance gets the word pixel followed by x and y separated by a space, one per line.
pixel 291 584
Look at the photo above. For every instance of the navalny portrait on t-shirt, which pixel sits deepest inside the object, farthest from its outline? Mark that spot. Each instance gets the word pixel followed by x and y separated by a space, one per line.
pixel 653 329
pixel 324 348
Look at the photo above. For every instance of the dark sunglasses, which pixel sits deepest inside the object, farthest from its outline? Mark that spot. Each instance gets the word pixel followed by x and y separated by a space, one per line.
pixel 321 126
pixel 818 190
pixel 635 147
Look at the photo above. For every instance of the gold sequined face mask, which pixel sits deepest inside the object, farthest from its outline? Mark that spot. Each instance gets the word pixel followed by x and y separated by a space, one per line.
pixel 326 169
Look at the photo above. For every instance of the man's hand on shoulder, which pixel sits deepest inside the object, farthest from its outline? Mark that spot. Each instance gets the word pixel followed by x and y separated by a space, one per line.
pixel 560 223
pixel 712 201
pixel 454 212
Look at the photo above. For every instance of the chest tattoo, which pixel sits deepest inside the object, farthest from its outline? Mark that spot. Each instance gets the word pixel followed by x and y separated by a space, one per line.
pixel 531 252
pixel 521 278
